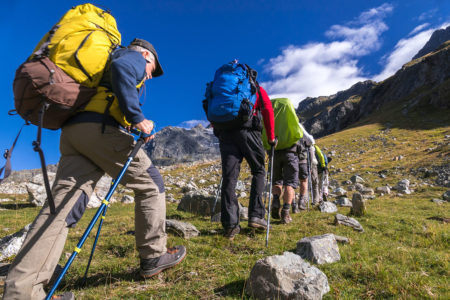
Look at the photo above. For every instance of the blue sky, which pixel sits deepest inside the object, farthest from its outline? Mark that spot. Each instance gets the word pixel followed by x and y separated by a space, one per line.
pixel 300 48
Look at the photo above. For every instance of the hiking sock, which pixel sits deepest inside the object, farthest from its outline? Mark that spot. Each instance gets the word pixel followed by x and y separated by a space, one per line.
pixel 286 206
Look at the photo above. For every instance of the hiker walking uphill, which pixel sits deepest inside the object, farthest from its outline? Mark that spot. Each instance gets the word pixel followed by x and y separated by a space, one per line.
pixel 304 145
pixel 322 170
pixel 285 161
pixel 92 143
pixel 234 105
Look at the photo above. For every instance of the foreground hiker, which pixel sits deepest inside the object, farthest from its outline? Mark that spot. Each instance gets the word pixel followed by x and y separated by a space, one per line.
pixel 239 133
pixel 285 163
pixel 91 145
pixel 303 147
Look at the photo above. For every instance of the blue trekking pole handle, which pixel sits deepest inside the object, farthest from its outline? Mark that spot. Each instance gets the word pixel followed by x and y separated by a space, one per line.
pixel 100 210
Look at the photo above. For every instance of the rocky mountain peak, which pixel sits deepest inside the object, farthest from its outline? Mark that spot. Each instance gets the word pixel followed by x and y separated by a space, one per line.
pixel 438 37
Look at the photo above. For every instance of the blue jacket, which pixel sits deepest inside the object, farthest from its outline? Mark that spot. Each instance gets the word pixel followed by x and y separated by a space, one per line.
pixel 126 71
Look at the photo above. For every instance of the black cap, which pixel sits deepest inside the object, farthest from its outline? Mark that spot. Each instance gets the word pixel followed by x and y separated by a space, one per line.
pixel 144 44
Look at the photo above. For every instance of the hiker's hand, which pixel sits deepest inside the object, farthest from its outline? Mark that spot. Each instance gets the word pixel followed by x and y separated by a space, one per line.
pixel 273 142
pixel 146 126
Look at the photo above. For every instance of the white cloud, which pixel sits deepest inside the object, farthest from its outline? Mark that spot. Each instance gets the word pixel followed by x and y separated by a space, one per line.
pixel 419 28
pixel 428 14
pixel 192 123
pixel 404 51
pixel 325 68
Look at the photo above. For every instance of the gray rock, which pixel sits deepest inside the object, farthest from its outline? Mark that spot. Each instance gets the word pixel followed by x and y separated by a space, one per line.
pixel 383 190
pixel 286 276
pixel 319 249
pixel 327 207
pixel 340 192
pixel 359 187
pixel 185 230
pixel 127 199
pixel 11 244
pixel 446 196
pixel 240 186
pixel 343 201
pixel 346 221
pixel 342 239
pixel 403 187
pixel 367 191
pixel 189 187
pixel 198 202
pixel 438 201
pixel 357 179
pixel 358 205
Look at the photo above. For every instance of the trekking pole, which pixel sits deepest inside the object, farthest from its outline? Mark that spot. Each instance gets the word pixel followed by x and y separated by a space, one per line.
pixel 309 179
pixel 272 152
pixel 100 210
pixel 218 192
pixel 265 188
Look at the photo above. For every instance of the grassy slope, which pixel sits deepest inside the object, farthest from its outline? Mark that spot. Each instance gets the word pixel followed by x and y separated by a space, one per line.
pixel 402 254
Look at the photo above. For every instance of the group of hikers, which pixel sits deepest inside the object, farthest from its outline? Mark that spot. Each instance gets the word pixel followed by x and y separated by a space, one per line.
pixel 95 140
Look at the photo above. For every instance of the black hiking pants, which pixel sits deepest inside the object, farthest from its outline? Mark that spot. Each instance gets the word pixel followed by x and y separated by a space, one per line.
pixel 234 146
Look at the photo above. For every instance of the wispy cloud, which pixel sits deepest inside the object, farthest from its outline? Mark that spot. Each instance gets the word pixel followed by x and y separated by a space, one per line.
pixel 324 68
pixel 192 123
pixel 427 15
pixel 405 50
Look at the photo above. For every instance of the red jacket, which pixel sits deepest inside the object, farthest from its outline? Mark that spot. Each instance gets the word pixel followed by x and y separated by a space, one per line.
pixel 267 113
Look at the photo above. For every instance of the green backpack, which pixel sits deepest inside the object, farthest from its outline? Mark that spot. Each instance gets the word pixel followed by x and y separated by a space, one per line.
pixel 287 128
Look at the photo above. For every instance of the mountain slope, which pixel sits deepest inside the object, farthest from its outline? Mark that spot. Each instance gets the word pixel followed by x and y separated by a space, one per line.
pixel 422 82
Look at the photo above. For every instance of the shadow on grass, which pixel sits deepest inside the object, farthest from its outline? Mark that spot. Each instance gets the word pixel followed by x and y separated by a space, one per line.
pixel 15 206
pixel 233 289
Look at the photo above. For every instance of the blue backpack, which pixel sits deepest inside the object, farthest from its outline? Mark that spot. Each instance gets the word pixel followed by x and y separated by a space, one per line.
pixel 230 97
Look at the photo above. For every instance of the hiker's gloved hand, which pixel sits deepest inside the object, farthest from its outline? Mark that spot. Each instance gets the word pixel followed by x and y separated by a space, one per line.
pixel 146 126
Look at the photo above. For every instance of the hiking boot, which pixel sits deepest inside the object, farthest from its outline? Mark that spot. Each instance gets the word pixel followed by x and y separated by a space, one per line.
pixel 285 217
pixel 153 266
pixel 275 209
pixel 275 212
pixel 302 204
pixel 295 208
pixel 231 232
pixel 254 222
pixel 65 296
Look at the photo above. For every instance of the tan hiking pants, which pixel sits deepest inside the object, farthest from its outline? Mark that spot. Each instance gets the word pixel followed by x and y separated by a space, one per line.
pixel 86 154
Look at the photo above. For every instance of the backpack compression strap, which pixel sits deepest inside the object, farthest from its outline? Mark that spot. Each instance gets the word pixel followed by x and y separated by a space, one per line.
pixel 37 148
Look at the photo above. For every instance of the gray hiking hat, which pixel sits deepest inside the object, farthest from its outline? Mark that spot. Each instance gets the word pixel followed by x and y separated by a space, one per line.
pixel 144 44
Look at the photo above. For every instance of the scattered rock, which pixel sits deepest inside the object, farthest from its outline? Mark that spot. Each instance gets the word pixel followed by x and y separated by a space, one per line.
pixel 358 205
pixel 437 201
pixel 11 244
pixel 127 199
pixel 383 190
pixel 367 191
pixel 347 221
pixel 286 276
pixel 403 187
pixel 198 202
pixel 340 192
pixel 357 179
pixel 343 201
pixel 342 239
pixel 446 196
pixel 319 249
pixel 327 207
pixel 186 230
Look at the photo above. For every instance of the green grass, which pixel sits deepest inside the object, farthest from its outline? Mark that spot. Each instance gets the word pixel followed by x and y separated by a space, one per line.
pixel 403 253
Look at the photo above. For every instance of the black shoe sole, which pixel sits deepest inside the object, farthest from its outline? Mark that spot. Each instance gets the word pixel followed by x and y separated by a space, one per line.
pixel 156 271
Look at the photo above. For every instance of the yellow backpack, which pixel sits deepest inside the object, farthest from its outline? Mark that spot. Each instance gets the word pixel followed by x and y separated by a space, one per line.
pixel 81 42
